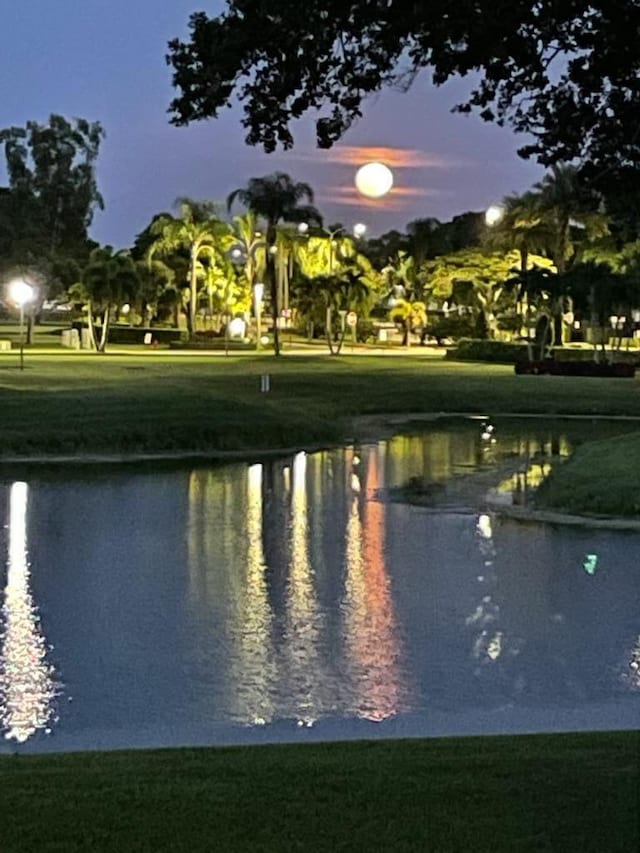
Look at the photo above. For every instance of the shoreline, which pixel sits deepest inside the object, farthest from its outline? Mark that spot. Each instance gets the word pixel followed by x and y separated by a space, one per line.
pixel 364 429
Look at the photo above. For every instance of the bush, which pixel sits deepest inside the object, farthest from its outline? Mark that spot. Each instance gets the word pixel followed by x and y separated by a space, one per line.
pixel 365 331
pixel 135 334
pixel 584 354
pixel 453 326
pixel 496 352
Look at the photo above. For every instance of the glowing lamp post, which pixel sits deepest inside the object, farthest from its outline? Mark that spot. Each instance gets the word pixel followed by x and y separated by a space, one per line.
pixel 493 214
pixel 21 294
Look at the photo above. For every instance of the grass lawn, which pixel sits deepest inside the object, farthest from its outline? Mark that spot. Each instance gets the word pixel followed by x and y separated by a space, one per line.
pixel 564 793
pixel 135 401
pixel 74 403
pixel 601 476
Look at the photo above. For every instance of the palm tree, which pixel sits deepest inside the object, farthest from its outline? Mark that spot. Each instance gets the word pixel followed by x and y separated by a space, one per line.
pixel 411 315
pixel 322 297
pixel 250 247
pixel 108 281
pixel 572 212
pixel 197 231
pixel 522 227
pixel 276 198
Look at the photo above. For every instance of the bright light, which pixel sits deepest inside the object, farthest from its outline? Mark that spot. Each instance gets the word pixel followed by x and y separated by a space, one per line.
pixel 20 292
pixel 374 180
pixel 494 214
pixel 359 230
pixel 27 687
pixel 303 227
pixel 237 327
pixel 258 292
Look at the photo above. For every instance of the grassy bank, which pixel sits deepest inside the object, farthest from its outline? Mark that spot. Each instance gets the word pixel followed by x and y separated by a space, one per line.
pixel 533 793
pixel 78 403
pixel 601 477
pixel 159 402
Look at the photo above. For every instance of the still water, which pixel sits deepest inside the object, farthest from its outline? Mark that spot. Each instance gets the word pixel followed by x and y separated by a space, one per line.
pixel 295 600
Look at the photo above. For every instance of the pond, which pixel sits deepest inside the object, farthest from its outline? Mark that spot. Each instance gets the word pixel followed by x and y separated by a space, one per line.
pixel 304 598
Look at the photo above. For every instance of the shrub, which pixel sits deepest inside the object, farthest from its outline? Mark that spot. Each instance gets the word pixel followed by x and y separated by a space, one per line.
pixel 453 326
pixel 135 334
pixel 584 354
pixel 496 352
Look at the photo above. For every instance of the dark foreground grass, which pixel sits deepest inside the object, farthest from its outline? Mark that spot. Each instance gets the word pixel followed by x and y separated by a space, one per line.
pixel 87 403
pixel 574 792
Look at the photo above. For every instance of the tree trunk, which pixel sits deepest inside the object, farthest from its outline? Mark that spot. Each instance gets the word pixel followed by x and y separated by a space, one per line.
pixel 90 324
pixel 329 330
pixel 102 346
pixel 273 287
pixel 193 298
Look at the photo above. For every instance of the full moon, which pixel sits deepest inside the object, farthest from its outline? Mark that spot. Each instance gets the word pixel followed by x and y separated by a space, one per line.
pixel 374 180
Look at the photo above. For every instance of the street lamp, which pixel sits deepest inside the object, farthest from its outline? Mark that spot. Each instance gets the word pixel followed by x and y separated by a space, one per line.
pixel 493 214
pixel 21 292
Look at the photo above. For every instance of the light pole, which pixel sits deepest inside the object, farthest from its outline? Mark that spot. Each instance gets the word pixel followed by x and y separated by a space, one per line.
pixel 244 254
pixel 21 293
pixel 493 214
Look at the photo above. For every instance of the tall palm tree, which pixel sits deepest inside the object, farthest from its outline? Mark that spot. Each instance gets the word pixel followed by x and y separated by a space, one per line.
pixel 571 210
pixel 522 227
pixel 276 198
pixel 250 245
pixel 108 281
pixel 197 231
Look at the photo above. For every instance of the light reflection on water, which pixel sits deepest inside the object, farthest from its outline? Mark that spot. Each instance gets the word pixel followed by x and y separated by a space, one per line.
pixel 249 595
pixel 27 686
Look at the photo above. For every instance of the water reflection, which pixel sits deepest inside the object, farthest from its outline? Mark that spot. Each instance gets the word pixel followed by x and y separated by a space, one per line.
pixel 372 636
pixel 305 664
pixel 27 686
pixel 293 596
pixel 488 642
pixel 253 667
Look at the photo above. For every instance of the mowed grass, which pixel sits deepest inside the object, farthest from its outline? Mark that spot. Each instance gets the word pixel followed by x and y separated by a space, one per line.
pixel 573 792
pixel 602 477
pixel 79 403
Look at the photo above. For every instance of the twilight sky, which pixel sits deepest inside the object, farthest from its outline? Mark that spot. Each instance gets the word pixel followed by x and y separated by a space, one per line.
pixel 104 60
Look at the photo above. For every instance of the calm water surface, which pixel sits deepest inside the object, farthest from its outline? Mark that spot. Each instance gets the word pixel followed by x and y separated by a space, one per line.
pixel 293 600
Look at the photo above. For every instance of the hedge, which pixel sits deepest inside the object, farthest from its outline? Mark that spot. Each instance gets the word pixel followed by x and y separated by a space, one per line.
pixel 508 352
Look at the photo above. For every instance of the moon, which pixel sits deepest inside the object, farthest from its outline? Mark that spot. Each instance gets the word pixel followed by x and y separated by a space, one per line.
pixel 374 180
